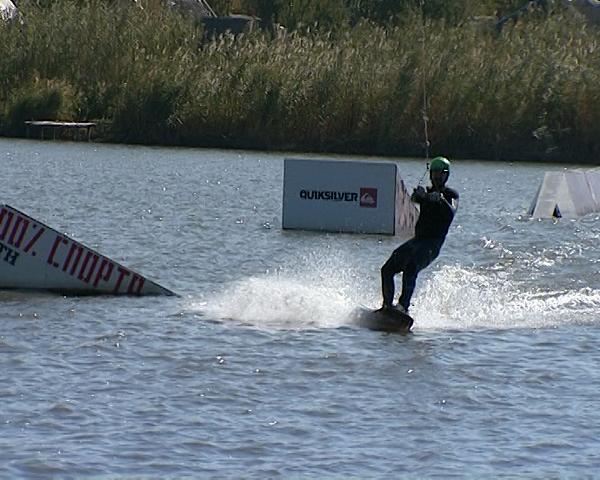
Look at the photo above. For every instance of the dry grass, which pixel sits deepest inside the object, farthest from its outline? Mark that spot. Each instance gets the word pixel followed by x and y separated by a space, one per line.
pixel 532 92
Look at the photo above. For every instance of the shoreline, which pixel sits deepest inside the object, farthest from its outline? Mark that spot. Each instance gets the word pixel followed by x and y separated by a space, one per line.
pixel 283 152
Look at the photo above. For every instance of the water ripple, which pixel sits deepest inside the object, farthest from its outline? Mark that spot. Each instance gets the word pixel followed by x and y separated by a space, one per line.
pixel 257 370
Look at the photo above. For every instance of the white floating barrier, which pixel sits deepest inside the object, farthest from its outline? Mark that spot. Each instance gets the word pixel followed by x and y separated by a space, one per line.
pixel 346 196
pixel 35 256
pixel 568 194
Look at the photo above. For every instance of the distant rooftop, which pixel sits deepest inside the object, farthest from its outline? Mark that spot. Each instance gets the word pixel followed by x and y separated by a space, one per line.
pixel 200 8
pixel 589 8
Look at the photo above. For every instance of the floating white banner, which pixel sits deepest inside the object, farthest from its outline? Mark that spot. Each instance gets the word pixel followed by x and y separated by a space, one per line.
pixel 342 196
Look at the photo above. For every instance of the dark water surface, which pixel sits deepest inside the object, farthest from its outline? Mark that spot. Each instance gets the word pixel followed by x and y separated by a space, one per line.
pixel 256 370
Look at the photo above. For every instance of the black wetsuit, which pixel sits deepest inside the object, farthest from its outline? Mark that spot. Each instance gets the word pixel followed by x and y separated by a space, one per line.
pixel 413 256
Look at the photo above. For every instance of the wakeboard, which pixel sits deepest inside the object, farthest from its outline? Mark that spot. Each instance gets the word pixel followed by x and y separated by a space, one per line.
pixel 387 320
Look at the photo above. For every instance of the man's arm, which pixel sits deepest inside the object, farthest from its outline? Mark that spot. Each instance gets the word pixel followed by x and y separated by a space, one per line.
pixel 437 197
pixel 453 204
pixel 420 195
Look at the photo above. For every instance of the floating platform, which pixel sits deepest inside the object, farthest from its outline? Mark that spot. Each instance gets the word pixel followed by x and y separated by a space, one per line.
pixel 55 127
pixel 37 257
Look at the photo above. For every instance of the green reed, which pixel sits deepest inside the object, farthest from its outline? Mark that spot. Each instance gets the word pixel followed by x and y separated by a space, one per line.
pixel 148 76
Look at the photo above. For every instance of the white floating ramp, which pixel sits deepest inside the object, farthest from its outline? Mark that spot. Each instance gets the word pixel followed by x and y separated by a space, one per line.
pixel 568 194
pixel 346 196
pixel 35 256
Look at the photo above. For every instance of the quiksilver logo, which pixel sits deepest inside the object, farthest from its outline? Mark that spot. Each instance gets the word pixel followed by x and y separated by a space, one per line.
pixel 368 197
pixel 329 195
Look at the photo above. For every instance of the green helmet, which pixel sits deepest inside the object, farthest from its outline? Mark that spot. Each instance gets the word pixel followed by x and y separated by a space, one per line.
pixel 440 164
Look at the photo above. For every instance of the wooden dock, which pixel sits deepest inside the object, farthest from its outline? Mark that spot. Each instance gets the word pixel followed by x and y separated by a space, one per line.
pixel 58 127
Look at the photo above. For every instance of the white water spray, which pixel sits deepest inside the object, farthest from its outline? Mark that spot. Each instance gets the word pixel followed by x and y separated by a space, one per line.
pixel 323 294
pixel 328 294
pixel 454 297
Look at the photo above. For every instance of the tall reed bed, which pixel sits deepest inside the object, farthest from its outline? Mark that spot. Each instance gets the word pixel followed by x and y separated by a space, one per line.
pixel 148 75
pixel 125 66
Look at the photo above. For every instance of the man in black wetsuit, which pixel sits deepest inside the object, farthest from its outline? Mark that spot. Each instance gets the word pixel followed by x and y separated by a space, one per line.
pixel 438 205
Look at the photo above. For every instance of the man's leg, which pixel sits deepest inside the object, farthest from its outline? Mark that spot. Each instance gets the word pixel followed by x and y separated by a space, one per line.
pixel 421 256
pixel 409 281
pixel 387 282
pixel 395 264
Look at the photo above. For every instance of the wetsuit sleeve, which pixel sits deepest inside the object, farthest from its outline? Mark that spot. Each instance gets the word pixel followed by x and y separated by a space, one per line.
pixel 418 195
pixel 450 197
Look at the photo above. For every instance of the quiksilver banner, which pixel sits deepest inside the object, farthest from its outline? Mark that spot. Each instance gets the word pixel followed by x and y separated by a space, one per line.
pixel 346 196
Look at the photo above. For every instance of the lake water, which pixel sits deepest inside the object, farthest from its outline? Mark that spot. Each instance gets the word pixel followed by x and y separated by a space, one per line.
pixel 256 370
